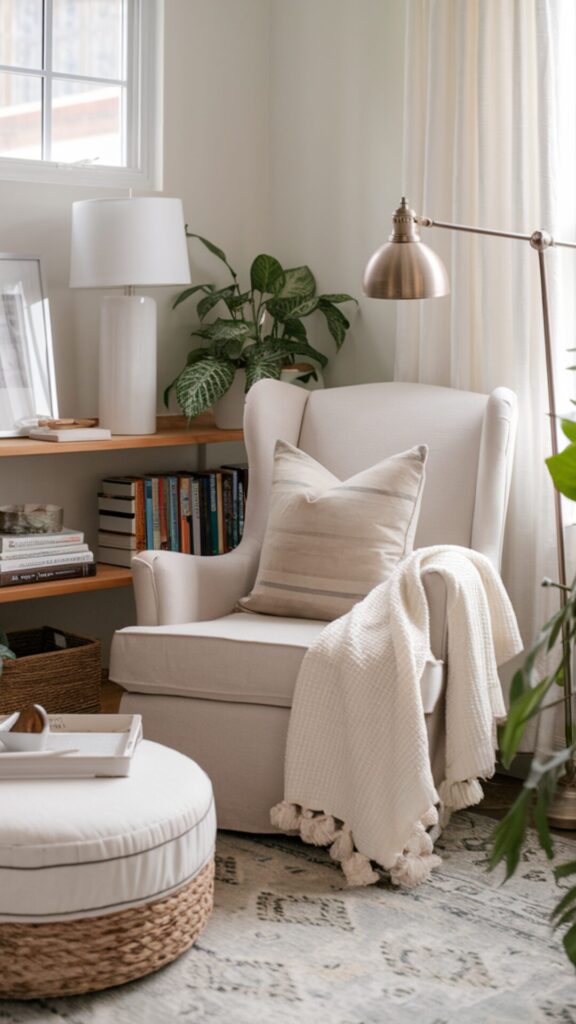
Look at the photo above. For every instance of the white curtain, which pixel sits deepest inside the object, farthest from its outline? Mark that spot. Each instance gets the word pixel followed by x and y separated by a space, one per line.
pixel 489 120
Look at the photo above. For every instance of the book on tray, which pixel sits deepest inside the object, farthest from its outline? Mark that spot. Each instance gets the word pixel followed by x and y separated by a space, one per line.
pixel 199 513
pixel 41 557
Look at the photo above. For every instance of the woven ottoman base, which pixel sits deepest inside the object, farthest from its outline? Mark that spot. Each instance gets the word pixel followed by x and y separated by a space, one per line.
pixel 67 958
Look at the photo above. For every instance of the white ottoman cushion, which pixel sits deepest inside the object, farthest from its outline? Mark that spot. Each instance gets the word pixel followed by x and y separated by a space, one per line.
pixel 72 848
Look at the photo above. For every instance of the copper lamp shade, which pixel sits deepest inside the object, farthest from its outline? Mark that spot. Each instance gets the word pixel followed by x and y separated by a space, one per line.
pixel 405 268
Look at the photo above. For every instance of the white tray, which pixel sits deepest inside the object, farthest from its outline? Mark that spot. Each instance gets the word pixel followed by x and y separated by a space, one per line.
pixel 99 745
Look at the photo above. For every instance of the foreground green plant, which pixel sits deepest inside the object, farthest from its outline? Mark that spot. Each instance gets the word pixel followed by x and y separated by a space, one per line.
pixel 263 331
pixel 527 695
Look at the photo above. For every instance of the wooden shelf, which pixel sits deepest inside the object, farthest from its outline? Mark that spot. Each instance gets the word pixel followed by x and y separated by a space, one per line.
pixel 107 577
pixel 172 431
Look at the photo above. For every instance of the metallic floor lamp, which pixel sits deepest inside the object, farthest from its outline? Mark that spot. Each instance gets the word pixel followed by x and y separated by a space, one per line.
pixel 405 268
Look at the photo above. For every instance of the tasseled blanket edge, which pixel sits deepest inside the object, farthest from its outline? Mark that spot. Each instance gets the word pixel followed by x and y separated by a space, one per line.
pixel 412 867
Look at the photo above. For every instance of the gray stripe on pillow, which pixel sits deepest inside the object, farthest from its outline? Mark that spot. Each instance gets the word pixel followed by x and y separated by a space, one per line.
pixel 311 590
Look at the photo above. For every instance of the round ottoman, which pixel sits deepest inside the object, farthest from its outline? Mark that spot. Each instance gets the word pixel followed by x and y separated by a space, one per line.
pixel 103 880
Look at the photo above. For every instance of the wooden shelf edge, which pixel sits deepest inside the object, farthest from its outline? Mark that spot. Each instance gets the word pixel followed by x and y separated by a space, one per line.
pixel 107 577
pixel 200 431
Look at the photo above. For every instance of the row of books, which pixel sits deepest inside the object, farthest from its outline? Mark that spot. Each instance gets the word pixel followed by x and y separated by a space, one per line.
pixel 196 513
pixel 41 557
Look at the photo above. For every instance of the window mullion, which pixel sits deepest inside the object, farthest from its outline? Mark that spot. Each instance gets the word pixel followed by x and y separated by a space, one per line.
pixel 47 83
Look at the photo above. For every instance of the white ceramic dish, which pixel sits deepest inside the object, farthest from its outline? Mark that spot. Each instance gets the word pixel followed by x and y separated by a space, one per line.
pixel 24 742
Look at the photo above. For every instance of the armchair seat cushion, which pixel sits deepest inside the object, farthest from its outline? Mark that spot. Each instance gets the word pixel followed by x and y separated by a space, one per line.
pixel 244 658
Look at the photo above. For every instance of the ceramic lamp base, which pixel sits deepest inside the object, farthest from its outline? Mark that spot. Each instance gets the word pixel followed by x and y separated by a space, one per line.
pixel 127 364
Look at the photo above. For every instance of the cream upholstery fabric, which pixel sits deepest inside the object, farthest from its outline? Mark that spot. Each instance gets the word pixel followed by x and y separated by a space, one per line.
pixel 242 658
pixel 240 744
pixel 85 847
pixel 329 542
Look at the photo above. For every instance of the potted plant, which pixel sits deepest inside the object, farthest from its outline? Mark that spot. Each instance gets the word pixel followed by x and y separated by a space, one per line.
pixel 262 331
pixel 529 698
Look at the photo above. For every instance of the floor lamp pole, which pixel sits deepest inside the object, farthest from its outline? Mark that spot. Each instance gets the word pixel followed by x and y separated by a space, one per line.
pixel 405 268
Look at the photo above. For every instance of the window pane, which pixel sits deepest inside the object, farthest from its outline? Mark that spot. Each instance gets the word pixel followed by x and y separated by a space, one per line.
pixel 88 38
pixel 86 123
pixel 21 33
pixel 20 116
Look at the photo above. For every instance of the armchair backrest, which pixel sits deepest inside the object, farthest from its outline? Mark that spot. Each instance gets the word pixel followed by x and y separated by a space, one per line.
pixel 470 438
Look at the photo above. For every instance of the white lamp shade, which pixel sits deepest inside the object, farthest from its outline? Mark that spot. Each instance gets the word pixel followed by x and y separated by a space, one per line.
pixel 123 242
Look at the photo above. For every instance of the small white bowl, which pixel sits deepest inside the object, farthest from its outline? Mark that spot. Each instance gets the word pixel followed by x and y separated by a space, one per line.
pixel 24 741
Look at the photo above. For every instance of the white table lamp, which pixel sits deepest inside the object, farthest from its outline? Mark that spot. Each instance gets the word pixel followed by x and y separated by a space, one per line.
pixel 128 243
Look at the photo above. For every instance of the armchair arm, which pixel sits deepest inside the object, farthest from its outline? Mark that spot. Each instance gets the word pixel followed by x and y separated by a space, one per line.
pixel 170 587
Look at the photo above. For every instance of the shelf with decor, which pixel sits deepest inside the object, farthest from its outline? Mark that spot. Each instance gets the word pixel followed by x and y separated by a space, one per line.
pixel 173 431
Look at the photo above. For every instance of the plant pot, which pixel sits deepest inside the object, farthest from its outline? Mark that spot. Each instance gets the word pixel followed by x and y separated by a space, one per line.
pixel 229 410
pixel 290 375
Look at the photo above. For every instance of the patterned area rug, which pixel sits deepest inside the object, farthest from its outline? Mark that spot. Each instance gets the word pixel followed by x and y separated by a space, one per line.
pixel 288 942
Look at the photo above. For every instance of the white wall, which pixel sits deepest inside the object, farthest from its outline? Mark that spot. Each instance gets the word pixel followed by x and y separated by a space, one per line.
pixel 282 124
pixel 335 142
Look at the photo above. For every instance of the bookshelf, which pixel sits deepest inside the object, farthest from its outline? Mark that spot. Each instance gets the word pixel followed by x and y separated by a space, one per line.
pixel 173 431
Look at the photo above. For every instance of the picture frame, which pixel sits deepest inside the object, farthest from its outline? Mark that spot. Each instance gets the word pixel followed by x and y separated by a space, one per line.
pixel 27 377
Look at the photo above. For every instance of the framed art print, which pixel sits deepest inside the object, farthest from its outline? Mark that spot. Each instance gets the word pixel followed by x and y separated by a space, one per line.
pixel 27 379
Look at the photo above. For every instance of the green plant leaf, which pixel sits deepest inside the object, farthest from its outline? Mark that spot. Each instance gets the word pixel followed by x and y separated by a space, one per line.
pixel 519 714
pixel 517 686
pixel 291 307
pixel 302 348
pixel 565 870
pixel 211 300
pixel 226 330
pixel 569 429
pixel 567 900
pixel 266 275
pixel 214 249
pixel 541 822
pixel 238 301
pixel 509 834
pixel 295 329
pixel 298 281
pixel 338 297
pixel 562 469
pixel 569 942
pixel 206 288
pixel 262 362
pixel 202 384
pixel 337 323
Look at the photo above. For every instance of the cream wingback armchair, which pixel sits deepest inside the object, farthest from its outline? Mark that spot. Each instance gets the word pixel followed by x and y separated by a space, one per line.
pixel 217 683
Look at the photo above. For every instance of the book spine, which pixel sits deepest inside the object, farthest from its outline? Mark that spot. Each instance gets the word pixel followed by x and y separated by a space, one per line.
pixel 228 511
pixel 44 561
pixel 241 507
pixel 220 514
pixel 205 542
pixel 54 549
pixel 115 556
pixel 119 486
pixel 213 506
pixel 163 495
pixel 149 513
pixel 35 540
pixel 235 533
pixel 195 511
pixel 173 514
pixel 155 514
pixel 126 541
pixel 53 572
pixel 125 506
pixel 116 523
pixel 140 516
pixel 184 487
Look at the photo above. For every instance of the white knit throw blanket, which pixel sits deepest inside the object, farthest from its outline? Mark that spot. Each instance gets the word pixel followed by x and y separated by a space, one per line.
pixel 358 775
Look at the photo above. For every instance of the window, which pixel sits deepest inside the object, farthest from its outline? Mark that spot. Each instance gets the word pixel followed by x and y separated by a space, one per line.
pixel 79 90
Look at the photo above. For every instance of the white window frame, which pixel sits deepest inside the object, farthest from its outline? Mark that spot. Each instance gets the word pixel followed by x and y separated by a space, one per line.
pixel 143 114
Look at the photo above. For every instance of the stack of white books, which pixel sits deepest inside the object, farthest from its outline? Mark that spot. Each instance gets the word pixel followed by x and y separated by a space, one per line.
pixel 40 557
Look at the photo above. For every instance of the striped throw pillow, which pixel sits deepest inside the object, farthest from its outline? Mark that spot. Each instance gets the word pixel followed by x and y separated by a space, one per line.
pixel 329 542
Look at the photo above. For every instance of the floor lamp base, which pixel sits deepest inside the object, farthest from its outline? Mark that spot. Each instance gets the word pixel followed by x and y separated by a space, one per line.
pixel 562 810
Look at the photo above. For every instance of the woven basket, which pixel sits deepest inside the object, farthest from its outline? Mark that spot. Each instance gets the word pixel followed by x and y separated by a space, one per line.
pixel 54 668
pixel 67 958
